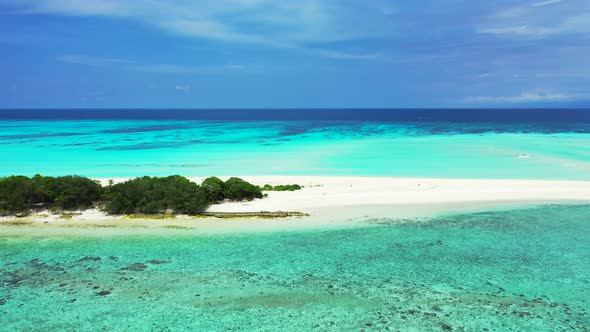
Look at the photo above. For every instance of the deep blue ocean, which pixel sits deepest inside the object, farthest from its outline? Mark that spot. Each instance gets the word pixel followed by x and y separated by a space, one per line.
pixel 549 120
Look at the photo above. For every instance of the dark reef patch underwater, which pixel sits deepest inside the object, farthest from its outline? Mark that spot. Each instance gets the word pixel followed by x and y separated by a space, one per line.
pixel 519 270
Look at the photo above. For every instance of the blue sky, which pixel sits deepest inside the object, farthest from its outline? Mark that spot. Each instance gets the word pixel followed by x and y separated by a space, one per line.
pixel 305 53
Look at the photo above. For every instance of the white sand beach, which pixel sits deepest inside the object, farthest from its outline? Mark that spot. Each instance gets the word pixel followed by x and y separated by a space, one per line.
pixel 336 202
pixel 340 192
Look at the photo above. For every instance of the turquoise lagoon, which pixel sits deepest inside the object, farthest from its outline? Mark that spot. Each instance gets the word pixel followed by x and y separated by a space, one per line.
pixel 124 148
pixel 513 270
pixel 520 270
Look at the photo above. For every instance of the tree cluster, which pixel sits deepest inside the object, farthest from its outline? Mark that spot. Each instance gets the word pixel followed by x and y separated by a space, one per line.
pixel 20 194
pixel 153 195
pixel 234 189
pixel 144 195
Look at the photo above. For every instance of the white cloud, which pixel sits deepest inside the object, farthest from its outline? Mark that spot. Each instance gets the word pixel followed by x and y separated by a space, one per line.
pixel 525 97
pixel 148 68
pixel 284 24
pixel 520 30
pixel 539 20
pixel 546 3
pixel 211 30
pixel 91 61
pixel 349 56
pixel 183 88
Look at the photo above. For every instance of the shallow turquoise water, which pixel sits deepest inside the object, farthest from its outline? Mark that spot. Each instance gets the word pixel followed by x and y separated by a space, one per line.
pixel 200 148
pixel 521 270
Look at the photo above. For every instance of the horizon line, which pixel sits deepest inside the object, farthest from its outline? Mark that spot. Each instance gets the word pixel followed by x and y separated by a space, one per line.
pixel 284 108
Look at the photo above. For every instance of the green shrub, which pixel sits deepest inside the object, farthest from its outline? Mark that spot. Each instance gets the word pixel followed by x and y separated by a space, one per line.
pixel 237 189
pixel 145 195
pixel 213 187
pixel 15 195
pixel 287 187
pixel 20 194
pixel 151 195
pixel 267 187
pixel 72 193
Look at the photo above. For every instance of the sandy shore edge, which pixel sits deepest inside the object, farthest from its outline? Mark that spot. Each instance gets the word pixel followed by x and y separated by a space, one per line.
pixel 343 201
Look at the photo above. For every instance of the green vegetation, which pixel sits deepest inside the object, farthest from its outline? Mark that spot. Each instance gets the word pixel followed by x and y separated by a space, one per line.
pixel 236 189
pixel 286 187
pixel 213 187
pixel 19 195
pixel 152 195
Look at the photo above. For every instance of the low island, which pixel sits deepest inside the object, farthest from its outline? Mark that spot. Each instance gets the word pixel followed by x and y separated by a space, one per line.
pixel 143 197
pixel 228 204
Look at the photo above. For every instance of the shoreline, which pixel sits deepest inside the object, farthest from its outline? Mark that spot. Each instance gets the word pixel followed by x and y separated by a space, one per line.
pixel 330 202
pixel 337 191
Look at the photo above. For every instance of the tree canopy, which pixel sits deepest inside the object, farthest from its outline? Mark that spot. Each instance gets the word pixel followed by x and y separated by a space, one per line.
pixel 143 195
pixel 213 187
pixel 20 194
pixel 152 195
pixel 237 189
